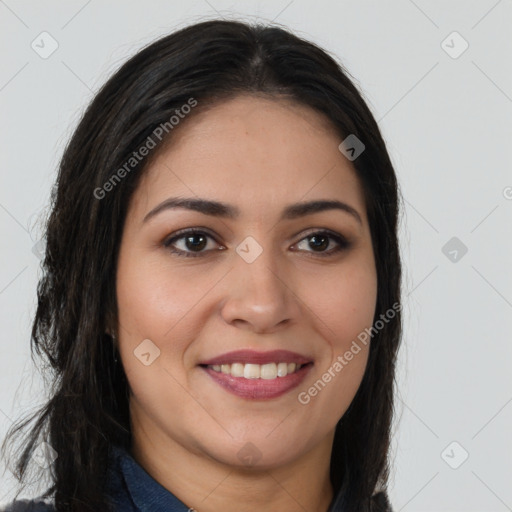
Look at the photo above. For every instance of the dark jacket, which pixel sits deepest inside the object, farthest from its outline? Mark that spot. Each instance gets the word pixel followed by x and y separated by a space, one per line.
pixel 132 489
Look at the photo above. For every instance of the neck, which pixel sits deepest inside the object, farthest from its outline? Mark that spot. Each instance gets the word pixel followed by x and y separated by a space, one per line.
pixel 208 485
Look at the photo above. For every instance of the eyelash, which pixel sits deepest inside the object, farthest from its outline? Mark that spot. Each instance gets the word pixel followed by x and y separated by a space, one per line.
pixel 342 242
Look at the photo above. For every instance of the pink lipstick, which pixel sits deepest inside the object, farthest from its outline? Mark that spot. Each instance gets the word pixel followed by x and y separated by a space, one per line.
pixel 258 375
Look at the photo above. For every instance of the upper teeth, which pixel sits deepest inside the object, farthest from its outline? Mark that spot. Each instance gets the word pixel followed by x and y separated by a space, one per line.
pixel 257 371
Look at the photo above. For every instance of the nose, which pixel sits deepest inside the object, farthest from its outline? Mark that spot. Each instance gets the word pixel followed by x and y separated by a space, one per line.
pixel 259 295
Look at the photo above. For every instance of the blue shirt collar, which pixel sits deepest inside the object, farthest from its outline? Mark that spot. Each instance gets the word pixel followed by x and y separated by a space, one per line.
pixel 132 489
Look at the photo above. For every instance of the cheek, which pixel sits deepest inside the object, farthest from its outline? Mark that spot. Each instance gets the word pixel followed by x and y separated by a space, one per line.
pixel 355 309
pixel 153 304
pixel 166 305
pixel 345 302
pixel 153 298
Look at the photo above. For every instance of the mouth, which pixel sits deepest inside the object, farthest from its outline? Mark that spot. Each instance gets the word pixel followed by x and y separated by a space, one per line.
pixel 258 375
pixel 267 371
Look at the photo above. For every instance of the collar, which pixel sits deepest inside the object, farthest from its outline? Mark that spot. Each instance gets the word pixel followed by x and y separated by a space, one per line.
pixel 133 489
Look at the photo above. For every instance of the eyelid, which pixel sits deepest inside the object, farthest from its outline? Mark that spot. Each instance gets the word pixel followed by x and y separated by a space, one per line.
pixel 342 241
pixel 188 231
pixel 317 230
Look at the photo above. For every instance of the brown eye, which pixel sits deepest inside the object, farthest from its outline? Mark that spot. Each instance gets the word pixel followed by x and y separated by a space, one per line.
pixel 320 241
pixel 192 243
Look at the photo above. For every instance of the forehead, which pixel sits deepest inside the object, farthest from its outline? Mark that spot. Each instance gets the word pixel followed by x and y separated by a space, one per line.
pixel 255 152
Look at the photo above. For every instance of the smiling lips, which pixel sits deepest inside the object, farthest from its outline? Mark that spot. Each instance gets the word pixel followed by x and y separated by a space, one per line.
pixel 257 371
pixel 258 375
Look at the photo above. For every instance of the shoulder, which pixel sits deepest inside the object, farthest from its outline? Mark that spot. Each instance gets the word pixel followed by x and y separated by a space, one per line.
pixel 28 506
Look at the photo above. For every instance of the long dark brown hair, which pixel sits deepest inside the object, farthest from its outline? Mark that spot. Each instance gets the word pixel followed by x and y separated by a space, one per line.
pixel 210 62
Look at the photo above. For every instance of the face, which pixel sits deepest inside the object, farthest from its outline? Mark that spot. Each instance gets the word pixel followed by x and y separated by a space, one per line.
pixel 235 319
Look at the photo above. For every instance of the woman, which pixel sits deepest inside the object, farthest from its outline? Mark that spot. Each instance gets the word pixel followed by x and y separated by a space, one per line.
pixel 220 302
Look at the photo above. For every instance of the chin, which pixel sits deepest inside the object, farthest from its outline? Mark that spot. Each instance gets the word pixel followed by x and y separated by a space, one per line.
pixel 257 452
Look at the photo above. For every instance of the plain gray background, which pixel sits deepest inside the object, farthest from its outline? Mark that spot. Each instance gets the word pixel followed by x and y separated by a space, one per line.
pixel 447 119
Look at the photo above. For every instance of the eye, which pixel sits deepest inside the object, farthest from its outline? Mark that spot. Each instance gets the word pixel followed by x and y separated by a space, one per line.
pixel 192 240
pixel 319 241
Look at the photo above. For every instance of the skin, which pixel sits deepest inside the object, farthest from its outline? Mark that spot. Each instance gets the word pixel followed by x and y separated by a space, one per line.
pixel 260 155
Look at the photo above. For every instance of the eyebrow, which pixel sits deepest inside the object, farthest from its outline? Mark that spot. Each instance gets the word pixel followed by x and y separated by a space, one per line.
pixel 223 210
